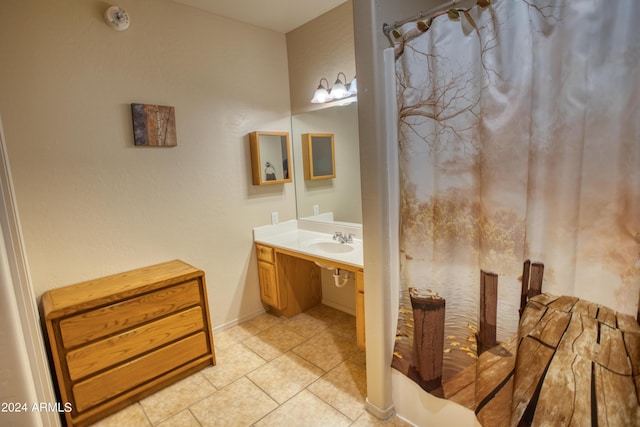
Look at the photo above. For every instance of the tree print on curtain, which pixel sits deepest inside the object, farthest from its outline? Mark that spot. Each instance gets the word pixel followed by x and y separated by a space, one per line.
pixel 519 138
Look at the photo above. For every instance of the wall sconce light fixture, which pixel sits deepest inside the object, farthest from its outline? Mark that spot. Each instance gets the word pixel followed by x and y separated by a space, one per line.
pixel 322 93
pixel 339 90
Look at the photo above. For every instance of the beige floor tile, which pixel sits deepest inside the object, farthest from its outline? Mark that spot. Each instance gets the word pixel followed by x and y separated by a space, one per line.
pixel 304 410
pixel 176 397
pixel 234 335
pixel 327 314
pixel 181 419
pixel 359 357
pixel 265 321
pixel 345 325
pixel 285 376
pixel 308 325
pixel 232 363
pixel 327 350
pixel 274 341
pixel 261 362
pixel 239 404
pixel 131 416
pixel 344 388
pixel 339 321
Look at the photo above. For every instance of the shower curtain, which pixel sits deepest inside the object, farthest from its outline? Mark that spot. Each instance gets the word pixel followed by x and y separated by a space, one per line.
pixel 519 139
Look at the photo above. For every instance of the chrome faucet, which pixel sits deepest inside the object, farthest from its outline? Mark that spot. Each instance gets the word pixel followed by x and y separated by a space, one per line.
pixel 343 238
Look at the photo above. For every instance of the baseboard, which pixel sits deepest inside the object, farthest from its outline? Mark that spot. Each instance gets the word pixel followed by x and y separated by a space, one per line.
pixel 240 320
pixel 237 321
pixel 383 414
pixel 339 306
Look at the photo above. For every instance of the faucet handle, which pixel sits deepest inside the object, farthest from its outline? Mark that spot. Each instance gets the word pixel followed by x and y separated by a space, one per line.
pixel 350 237
pixel 336 235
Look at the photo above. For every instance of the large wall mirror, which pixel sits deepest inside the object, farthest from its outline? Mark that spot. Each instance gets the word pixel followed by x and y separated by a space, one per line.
pixel 339 195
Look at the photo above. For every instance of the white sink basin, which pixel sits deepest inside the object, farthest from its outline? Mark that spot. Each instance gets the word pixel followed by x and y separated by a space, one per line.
pixel 328 246
pixel 287 236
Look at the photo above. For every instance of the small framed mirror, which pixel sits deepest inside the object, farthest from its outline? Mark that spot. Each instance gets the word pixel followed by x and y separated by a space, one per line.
pixel 270 157
pixel 318 156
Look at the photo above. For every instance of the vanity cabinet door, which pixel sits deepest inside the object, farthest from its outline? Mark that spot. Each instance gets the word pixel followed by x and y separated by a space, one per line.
pixel 360 336
pixel 269 291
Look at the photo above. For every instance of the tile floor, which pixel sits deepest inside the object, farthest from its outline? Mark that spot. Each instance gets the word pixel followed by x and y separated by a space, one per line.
pixel 303 371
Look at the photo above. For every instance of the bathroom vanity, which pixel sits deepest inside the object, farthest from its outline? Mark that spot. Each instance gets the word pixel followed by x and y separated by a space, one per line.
pixel 290 257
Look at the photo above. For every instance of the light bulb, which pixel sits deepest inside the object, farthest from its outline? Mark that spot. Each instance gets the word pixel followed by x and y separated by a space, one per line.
pixel 353 87
pixel 339 90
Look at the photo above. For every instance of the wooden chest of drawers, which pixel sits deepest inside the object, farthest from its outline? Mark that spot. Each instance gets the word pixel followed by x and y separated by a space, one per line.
pixel 117 339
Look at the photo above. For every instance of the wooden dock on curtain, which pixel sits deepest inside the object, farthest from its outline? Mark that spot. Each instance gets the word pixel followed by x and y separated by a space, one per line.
pixel 577 363
pixel 428 340
pixel 488 311
pixel 531 282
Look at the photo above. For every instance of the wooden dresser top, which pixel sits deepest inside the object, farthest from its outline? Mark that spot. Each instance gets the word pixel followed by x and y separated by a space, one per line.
pixel 82 296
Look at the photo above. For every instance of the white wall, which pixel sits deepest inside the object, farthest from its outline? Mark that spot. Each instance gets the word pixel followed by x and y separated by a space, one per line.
pixel 91 203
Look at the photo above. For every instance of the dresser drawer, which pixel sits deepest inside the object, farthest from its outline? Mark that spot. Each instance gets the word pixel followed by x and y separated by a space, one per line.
pixel 265 253
pixel 92 325
pixel 130 375
pixel 127 345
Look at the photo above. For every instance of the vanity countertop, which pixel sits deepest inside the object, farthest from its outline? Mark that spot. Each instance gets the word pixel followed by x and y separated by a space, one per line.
pixel 317 243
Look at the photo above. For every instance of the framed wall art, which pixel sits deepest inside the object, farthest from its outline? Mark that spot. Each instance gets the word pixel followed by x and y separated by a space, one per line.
pixel 154 125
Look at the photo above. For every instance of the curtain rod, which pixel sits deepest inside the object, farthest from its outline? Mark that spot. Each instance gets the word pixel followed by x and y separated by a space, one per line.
pixel 387 29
